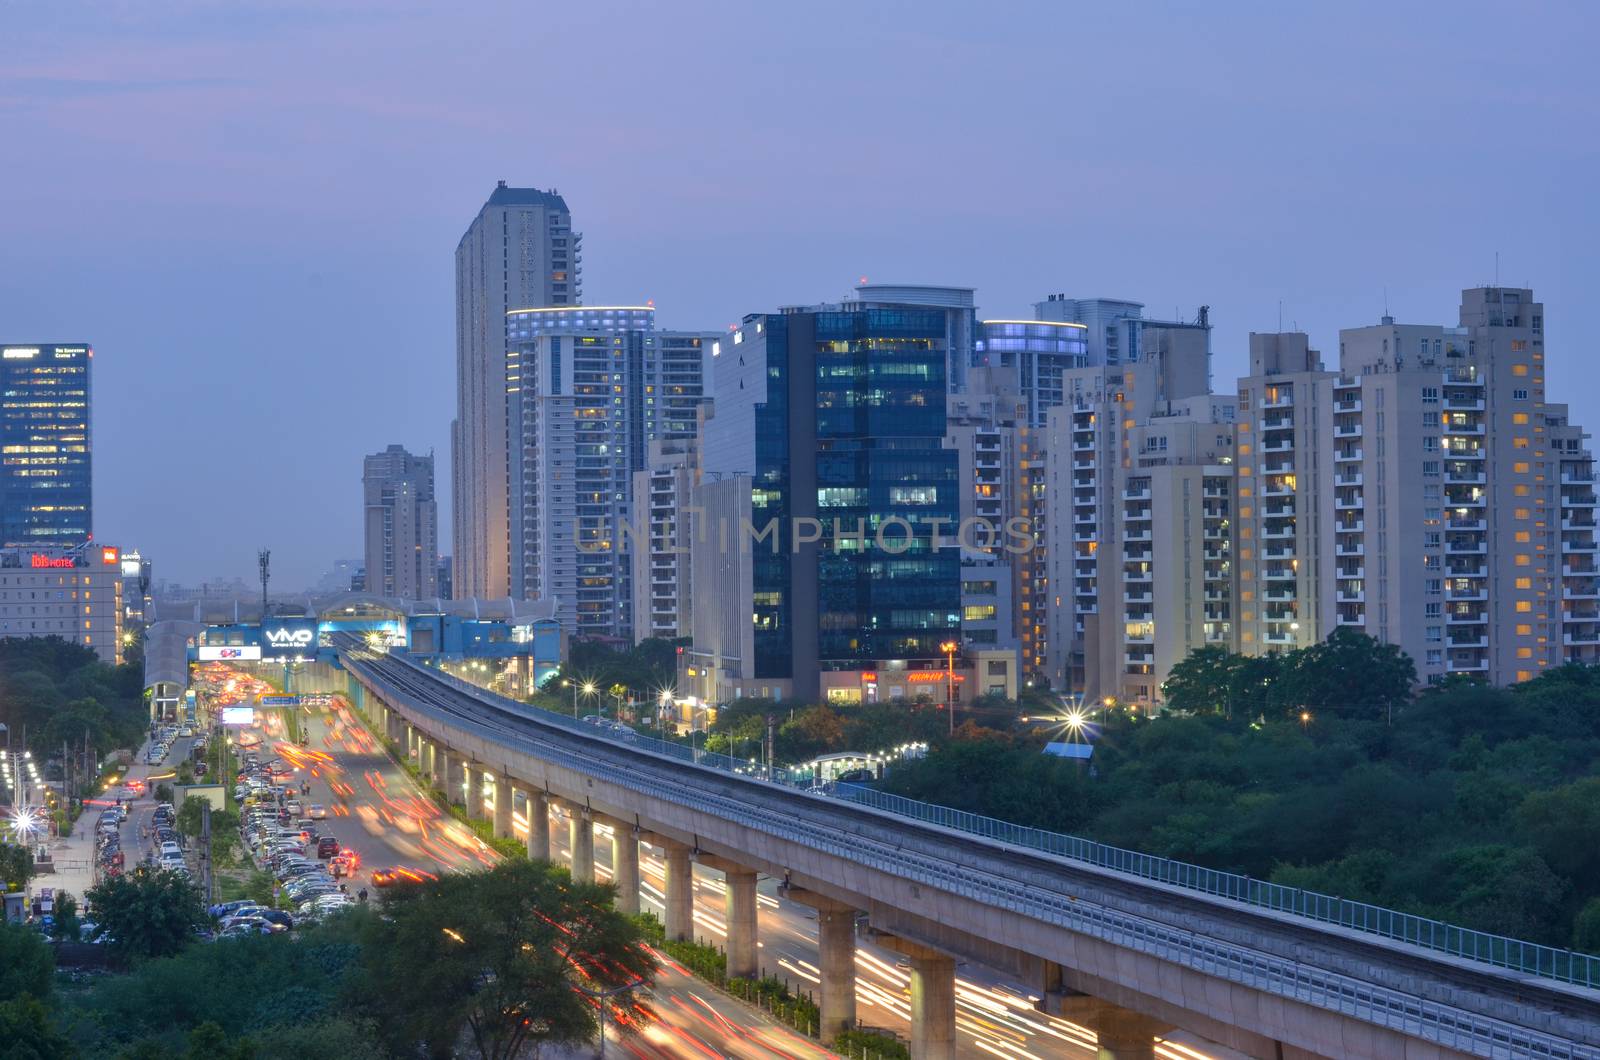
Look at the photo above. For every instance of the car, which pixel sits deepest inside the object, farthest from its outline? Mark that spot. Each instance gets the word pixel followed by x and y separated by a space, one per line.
pixel 186 732
pixel 317 812
pixel 327 847
pixel 293 806
pixel 171 848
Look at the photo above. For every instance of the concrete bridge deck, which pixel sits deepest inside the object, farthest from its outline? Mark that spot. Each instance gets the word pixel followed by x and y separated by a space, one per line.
pixel 1129 956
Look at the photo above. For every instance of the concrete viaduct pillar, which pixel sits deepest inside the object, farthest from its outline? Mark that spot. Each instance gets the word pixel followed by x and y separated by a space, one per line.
pixel 678 889
pixel 625 864
pixel 454 777
pixel 580 841
pixel 503 801
pixel 538 826
pixel 740 910
pixel 1123 1034
pixel 836 946
pixel 433 768
pixel 933 998
pixel 474 790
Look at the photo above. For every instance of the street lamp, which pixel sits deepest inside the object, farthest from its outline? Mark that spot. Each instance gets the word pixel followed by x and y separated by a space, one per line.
pixel 949 649
pixel 1305 719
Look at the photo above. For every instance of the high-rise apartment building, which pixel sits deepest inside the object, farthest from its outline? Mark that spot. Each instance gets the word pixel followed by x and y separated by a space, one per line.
pixel 401 523
pixel 519 251
pixel 1132 369
pixel 45 485
pixel 1284 404
pixel 1425 494
pixel 662 503
pixel 590 388
pixel 828 432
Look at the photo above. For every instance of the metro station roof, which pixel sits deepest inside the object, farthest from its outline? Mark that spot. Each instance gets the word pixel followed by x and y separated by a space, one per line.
pixel 166 646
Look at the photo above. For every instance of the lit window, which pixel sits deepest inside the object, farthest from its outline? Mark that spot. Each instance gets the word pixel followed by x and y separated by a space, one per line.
pixel 1519 369
pixel 1523 559
pixel 1519 417
pixel 1524 653
pixel 1524 607
pixel 1524 583
pixel 1523 537
pixel 1524 630
pixel 1520 467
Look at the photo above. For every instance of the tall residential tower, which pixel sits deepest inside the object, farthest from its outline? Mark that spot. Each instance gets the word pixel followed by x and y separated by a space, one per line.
pixel 519 251
pixel 45 499
pixel 401 524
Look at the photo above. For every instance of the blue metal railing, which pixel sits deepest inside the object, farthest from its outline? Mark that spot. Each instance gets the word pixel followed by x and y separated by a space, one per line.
pixel 1529 958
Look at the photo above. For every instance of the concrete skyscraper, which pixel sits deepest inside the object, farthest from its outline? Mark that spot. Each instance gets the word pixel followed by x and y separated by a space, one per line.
pixel 520 251
pixel 45 498
pixel 591 387
pixel 401 524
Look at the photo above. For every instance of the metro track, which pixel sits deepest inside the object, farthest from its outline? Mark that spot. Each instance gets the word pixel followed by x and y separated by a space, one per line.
pixel 966 865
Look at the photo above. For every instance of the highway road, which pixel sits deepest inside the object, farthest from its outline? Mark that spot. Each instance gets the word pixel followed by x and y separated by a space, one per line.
pixel 994 1017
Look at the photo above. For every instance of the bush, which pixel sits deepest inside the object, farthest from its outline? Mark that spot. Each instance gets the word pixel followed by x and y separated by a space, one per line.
pixel 872 1045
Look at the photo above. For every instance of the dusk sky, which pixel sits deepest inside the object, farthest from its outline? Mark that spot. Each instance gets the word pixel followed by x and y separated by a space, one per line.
pixel 251 209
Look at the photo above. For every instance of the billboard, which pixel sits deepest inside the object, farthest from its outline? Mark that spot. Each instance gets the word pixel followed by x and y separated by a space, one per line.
pixel 238 715
pixel 279 639
pixel 229 653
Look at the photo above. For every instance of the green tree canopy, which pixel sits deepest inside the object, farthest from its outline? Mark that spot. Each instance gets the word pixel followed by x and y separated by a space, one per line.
pixel 147 914
pixel 26 964
pixel 496 956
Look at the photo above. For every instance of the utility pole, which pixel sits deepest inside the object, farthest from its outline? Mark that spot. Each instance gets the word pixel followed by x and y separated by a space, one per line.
pixel 205 848
pixel 264 561
pixel 772 722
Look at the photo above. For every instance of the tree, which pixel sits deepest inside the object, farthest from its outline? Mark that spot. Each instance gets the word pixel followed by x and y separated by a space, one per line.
pixel 28 1034
pixel 26 964
pixel 1349 674
pixel 67 924
pixel 210 1042
pixel 1202 683
pixel 498 955
pixel 1586 929
pixel 1562 824
pixel 147 914
pixel 16 867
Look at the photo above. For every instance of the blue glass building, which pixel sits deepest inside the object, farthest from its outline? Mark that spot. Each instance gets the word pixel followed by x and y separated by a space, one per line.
pixel 44 445
pixel 837 413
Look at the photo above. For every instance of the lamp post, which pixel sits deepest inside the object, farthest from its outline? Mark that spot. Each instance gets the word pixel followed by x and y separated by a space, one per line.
pixel 949 649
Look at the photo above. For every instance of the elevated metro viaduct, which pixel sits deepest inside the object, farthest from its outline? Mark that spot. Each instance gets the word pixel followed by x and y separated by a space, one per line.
pixel 1126 956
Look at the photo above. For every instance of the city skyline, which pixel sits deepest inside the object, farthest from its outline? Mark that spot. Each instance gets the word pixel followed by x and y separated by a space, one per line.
pixel 286 257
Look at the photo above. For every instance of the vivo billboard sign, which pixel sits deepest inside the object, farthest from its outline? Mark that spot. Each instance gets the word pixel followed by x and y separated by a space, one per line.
pixel 289 639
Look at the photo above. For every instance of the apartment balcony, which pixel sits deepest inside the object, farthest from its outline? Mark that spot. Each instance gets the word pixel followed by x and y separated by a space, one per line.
pixel 1083 534
pixel 1350 548
pixel 1278 533
pixel 1347 430
pixel 1578 500
pixel 1589 636
pixel 1350 570
pixel 1136 493
pixel 1468 664
pixel 1454 476
pixel 1347 404
pixel 1465 499
pixel 1138 576
pixel 1278 551
pixel 1581 589
pixel 1212 615
pixel 1214 492
pixel 1277 421
pixel 1578 521
pixel 1277 489
pixel 1083 445
pixel 1281 466
pixel 1470 618
pixel 1216 596
pixel 1463 402
pixel 1278 574
pixel 1350 596
pixel 1141 596
pixel 1351 618
pixel 1278 509
pixel 1278 637
pixel 1463 377
pixel 1280 444
pixel 1347 455
pixel 1084 463
pixel 1214 533
pixel 1348 478
pixel 1469 523
pixel 1579 548
pixel 1083 518
pixel 1458 640
pixel 1214 553
pixel 1571 478
pixel 1283 399
pixel 1350 526
pixel 1582 615
pixel 1278 592
pixel 1343 502
pixel 1139 637
pixel 1477 592
pixel 1463 430
pixel 1466 545
pixel 1137 533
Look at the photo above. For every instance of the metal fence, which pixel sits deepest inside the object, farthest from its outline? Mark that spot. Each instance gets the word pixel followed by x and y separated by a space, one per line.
pixel 1546 962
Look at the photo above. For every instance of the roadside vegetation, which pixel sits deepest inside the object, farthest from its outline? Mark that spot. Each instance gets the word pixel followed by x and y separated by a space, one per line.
pixel 490 964
pixel 1319 769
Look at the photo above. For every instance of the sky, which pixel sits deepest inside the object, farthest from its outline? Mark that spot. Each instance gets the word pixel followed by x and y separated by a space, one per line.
pixel 251 209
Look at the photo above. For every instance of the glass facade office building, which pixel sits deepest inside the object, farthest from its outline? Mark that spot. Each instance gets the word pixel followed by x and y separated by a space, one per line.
pixel 847 432
pixel 44 445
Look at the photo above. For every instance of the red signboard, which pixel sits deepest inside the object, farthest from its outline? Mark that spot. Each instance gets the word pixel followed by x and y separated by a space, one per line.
pixel 109 556
pixel 41 560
